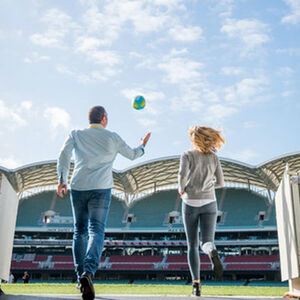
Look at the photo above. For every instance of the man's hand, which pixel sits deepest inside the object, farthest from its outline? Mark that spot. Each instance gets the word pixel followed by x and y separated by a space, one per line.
pixel 181 193
pixel 62 190
pixel 146 139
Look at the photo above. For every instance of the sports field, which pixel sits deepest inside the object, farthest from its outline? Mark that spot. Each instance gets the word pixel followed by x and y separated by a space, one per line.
pixel 62 288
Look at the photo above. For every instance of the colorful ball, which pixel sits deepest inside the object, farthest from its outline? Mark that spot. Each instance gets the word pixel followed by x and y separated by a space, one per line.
pixel 139 102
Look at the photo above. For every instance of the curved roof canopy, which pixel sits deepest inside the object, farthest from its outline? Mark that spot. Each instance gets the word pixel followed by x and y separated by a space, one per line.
pixel 158 174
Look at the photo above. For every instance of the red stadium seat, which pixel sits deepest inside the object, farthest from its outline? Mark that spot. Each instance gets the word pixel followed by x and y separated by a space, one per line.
pixel 62 258
pixel 136 258
pixel 174 267
pixel 64 266
pixel 24 265
pixel 116 266
pixel 39 258
pixel 248 266
pixel 251 258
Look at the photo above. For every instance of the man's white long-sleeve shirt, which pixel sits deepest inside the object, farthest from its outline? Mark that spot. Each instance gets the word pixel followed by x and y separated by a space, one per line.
pixel 95 150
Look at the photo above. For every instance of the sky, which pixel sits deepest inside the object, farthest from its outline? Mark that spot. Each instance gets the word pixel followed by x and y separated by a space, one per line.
pixel 230 64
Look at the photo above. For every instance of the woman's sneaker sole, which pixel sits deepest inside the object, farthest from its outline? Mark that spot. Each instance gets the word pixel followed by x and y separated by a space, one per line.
pixel 217 264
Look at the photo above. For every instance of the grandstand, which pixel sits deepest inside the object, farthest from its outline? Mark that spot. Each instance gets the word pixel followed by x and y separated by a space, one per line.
pixel 145 236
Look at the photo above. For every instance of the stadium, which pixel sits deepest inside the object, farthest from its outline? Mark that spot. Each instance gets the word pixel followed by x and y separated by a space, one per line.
pixel 145 238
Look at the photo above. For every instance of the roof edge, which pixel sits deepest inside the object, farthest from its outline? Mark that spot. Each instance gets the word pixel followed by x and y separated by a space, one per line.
pixel 54 161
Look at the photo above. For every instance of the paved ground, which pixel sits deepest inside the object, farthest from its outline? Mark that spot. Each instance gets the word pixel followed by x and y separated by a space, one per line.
pixel 127 297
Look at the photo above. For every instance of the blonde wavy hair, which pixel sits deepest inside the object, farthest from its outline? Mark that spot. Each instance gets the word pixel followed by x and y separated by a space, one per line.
pixel 205 139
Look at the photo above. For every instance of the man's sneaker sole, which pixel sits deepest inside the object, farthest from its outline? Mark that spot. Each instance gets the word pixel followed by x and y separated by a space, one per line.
pixel 87 288
pixel 217 264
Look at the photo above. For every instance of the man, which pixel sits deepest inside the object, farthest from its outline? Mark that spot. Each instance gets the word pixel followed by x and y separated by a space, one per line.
pixel 95 151
pixel 11 278
pixel 26 277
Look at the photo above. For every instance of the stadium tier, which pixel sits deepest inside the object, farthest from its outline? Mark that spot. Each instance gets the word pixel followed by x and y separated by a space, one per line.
pixel 240 208
pixel 145 237
pixel 149 262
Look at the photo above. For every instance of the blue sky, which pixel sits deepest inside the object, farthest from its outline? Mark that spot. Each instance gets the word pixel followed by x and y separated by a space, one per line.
pixel 233 65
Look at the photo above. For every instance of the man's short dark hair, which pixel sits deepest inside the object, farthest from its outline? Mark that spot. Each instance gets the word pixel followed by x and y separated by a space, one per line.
pixel 96 114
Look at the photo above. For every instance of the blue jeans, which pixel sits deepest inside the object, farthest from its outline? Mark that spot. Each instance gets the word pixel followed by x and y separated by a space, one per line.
pixel 90 210
pixel 207 216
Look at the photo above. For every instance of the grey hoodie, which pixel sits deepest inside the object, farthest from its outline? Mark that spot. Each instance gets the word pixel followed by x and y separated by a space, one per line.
pixel 199 174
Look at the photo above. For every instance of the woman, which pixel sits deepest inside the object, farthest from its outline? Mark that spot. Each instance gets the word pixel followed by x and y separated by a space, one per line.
pixel 199 174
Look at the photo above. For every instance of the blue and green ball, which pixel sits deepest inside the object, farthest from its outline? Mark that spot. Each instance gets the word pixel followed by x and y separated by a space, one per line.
pixel 139 102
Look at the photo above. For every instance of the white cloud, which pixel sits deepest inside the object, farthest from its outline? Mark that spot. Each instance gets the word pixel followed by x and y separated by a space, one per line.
pixel 27 105
pixel 89 46
pixel 35 58
pixel 216 112
pixel 11 114
pixel 104 74
pixel 83 78
pixel 143 15
pixel 232 71
pixel 106 57
pixel 51 38
pixel 97 75
pixel 294 16
pixel 186 34
pixel 224 8
pixel 252 33
pixel 58 117
pixel 179 69
pixel 114 16
pixel 10 162
pixel 59 25
pixel 89 43
pixel 245 91
pixel 170 4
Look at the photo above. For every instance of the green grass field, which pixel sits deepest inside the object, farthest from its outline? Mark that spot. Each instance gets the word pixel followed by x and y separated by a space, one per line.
pixel 61 288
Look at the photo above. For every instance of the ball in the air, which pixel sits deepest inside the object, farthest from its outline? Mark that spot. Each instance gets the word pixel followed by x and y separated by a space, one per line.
pixel 138 102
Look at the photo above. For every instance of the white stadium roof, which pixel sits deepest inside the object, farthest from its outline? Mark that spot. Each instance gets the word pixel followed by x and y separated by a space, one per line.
pixel 158 174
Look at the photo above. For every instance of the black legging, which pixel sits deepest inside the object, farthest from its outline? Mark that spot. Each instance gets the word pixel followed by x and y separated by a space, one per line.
pixel 207 215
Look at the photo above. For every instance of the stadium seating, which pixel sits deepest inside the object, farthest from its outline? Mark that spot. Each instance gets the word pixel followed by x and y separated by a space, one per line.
pixel 149 262
pixel 37 205
pixel 234 205
pixel 116 214
pixel 248 267
pixel 251 258
pixel 135 259
pixel 41 258
pixel 179 262
pixel 30 210
pixel 140 267
pixel 62 258
pixel 24 265
pixel 152 211
pixel 271 221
